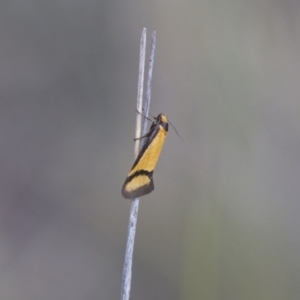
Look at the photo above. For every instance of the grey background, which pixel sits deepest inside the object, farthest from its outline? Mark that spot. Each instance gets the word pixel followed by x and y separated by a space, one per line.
pixel 223 221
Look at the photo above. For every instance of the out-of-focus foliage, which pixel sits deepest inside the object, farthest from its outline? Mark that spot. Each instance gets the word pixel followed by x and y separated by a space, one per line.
pixel 223 221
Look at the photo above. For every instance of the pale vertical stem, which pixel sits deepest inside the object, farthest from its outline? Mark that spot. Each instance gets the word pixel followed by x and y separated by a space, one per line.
pixel 126 279
pixel 139 102
pixel 149 81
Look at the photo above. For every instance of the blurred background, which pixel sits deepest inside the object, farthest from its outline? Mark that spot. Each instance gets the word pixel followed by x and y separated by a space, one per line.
pixel 223 221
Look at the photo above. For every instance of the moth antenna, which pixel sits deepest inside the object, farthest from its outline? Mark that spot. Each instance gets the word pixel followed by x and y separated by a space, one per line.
pixel 143 115
pixel 175 130
pixel 152 116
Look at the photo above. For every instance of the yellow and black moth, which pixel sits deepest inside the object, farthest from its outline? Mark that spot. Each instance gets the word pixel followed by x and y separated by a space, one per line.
pixel 139 181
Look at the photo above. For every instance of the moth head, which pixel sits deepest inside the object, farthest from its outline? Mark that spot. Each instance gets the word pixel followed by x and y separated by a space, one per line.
pixel 161 118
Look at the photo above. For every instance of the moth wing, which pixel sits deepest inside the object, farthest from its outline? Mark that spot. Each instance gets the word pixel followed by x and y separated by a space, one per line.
pixel 137 186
